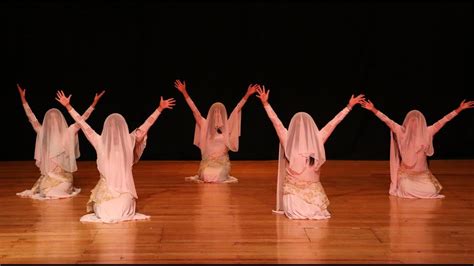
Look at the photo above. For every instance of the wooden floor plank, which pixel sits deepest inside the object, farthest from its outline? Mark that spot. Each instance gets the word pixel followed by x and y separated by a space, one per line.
pixel 233 223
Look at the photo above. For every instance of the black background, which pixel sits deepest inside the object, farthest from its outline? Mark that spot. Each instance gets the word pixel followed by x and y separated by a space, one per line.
pixel 311 55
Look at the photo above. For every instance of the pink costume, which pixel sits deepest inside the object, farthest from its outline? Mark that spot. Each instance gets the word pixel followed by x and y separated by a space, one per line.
pixel 56 151
pixel 214 146
pixel 409 146
pixel 114 197
pixel 300 194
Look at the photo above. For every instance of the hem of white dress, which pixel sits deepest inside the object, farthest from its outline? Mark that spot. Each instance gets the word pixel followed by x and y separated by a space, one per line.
pixel 196 179
pixel 92 218
pixel 405 196
pixel 37 196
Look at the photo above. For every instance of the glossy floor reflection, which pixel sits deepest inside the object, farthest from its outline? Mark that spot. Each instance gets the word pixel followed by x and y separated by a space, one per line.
pixel 233 223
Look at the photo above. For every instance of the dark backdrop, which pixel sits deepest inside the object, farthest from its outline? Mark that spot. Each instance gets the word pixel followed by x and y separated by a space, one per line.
pixel 311 55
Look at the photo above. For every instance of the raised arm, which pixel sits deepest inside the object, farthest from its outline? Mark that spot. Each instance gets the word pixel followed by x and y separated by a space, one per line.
pixel 29 113
pixel 327 130
pixel 250 90
pixel 277 124
pixel 91 135
pixel 143 129
pixel 75 127
pixel 181 86
pixel 396 128
pixel 438 125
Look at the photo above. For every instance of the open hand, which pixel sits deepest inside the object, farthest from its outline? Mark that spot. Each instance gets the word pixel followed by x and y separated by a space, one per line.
pixel 263 94
pixel 169 103
pixel 61 98
pixel 367 104
pixel 252 89
pixel 181 86
pixel 465 105
pixel 356 100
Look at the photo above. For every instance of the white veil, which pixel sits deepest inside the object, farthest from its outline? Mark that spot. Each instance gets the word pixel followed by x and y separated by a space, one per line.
pixel 116 154
pixel 217 117
pixel 405 146
pixel 55 144
pixel 303 141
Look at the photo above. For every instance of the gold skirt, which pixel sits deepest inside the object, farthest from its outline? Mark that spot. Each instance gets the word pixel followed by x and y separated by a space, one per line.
pixel 419 176
pixel 311 192
pixel 100 193
pixel 46 182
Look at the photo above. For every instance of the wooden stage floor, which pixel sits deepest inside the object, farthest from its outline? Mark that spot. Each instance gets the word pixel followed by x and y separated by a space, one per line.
pixel 233 223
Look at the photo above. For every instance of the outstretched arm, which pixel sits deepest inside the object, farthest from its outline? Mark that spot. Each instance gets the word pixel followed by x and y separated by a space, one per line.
pixel 396 128
pixel 181 86
pixel 438 125
pixel 29 113
pixel 143 129
pixel 327 130
pixel 250 90
pixel 91 135
pixel 75 127
pixel 277 124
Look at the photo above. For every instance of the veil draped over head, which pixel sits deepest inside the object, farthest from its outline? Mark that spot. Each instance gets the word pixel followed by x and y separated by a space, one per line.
pixel 303 143
pixel 55 144
pixel 217 118
pixel 116 154
pixel 405 146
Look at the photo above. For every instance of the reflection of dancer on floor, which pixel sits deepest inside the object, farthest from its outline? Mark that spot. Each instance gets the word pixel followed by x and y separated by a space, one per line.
pixel 114 197
pixel 56 151
pixel 410 145
pixel 215 135
pixel 300 194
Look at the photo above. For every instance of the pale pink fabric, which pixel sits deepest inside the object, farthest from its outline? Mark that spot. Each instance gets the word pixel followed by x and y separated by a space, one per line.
pixel 297 144
pixel 415 185
pixel 411 140
pixel 214 146
pixel 206 128
pixel 55 144
pixel 410 145
pixel 115 155
pixel 296 208
pixel 56 150
pixel 115 210
pixel 117 151
pixel 303 142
